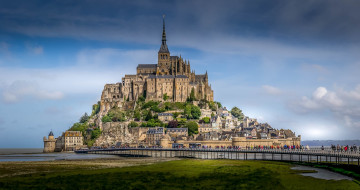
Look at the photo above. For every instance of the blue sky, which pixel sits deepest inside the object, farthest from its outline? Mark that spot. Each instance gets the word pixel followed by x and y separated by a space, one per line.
pixel 293 64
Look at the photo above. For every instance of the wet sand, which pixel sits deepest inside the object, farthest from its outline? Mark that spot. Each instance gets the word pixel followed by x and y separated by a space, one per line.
pixel 30 167
pixel 321 173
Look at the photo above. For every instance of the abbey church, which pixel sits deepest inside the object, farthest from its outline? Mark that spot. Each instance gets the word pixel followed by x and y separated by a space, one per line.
pixel 171 79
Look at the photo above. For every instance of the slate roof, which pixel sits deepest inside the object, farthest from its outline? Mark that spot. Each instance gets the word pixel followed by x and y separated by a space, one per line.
pixel 177 130
pixel 160 76
pixel 158 130
pixel 181 76
pixel 147 66
pixel 165 114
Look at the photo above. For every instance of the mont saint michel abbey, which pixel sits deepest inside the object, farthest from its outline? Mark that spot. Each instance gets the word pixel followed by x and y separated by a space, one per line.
pixel 171 77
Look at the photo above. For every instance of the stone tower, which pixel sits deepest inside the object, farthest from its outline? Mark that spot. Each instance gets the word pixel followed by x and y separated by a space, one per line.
pixel 163 54
pixel 49 143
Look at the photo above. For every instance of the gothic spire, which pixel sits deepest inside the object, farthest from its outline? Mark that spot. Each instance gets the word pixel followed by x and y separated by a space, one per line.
pixel 163 47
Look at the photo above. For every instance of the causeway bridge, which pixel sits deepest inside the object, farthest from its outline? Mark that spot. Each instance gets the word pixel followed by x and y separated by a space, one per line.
pixel 313 156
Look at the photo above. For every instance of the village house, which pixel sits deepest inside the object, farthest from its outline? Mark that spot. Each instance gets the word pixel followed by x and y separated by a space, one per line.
pixel 165 117
pixel 73 140
pixel 153 135
pixel 205 128
pixel 175 132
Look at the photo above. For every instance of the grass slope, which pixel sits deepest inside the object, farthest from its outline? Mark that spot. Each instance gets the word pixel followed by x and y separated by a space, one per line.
pixel 180 174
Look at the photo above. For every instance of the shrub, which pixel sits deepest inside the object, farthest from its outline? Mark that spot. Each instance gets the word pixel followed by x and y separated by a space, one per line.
pixel 206 119
pixel 165 97
pixel 95 109
pixel 192 112
pixel 95 133
pixel 192 127
pixel 236 112
pixel 133 124
pixel 149 104
pixel 148 116
pixel 84 118
pixel 105 119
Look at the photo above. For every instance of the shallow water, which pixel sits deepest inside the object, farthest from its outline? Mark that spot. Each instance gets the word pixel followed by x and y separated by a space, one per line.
pixel 322 173
pixel 15 155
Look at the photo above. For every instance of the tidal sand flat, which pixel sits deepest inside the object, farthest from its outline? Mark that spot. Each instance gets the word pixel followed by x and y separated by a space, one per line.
pixel 150 173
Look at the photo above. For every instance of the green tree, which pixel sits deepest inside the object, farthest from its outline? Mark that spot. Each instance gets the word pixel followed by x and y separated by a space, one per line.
pixel 181 121
pixel 141 99
pixel 149 104
pixel 193 127
pixel 192 112
pixel 79 127
pixel 148 116
pixel 133 124
pixel 176 114
pixel 153 123
pixel 192 95
pixel 165 97
pixel 206 119
pixel 195 112
pixel 95 133
pixel 212 106
pixel 105 119
pixel 155 108
pixel 137 115
pixel 95 109
pixel 84 118
pixel 236 112
pixel 187 111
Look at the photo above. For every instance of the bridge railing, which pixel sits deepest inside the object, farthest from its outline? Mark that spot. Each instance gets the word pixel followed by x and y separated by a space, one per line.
pixel 328 152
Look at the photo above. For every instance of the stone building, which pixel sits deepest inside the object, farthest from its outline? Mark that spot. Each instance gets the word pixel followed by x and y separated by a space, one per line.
pixel 165 117
pixel 170 79
pixel 175 132
pixel 205 128
pixel 73 140
pixel 49 143
pixel 153 135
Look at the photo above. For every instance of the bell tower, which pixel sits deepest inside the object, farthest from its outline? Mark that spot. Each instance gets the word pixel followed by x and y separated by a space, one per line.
pixel 163 54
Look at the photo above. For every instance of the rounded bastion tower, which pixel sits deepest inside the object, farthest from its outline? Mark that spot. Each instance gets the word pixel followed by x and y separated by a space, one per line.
pixel 49 143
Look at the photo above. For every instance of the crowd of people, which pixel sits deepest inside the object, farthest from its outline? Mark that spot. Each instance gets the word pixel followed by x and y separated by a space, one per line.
pixel 343 148
pixel 260 147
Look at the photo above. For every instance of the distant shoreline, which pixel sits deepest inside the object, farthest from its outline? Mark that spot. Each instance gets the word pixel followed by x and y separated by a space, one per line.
pixel 330 142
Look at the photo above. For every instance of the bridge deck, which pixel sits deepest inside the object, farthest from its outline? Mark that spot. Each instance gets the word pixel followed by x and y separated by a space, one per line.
pixel 319 156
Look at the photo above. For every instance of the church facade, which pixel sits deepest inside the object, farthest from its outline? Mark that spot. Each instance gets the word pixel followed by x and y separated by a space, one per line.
pixel 171 79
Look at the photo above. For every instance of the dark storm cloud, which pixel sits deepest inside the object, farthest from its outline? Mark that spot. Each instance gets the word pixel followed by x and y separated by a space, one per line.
pixel 305 21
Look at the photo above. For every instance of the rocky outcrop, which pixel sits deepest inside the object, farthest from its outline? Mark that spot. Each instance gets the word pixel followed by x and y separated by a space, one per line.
pixel 114 132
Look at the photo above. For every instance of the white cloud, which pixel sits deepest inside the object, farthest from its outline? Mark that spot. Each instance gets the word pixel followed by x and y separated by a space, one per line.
pixel 343 105
pixel 35 49
pixel 319 93
pixel 271 90
pixel 21 89
pixel 93 69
